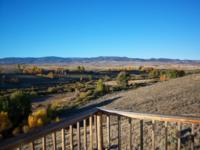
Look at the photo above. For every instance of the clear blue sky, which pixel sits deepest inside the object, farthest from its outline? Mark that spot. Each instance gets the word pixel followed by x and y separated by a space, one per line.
pixel 89 28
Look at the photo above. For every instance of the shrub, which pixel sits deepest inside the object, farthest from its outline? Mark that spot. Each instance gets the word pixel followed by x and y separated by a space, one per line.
pixel 5 122
pixel 170 74
pixel 100 88
pixel 122 79
pixel 38 118
pixel 154 73
pixel 18 106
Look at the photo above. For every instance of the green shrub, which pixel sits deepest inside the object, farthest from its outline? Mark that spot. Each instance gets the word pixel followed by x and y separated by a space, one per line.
pixel 170 74
pixel 154 73
pixel 18 106
pixel 122 79
pixel 100 88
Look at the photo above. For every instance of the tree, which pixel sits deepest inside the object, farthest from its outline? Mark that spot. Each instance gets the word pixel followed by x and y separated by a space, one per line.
pixel 100 88
pixel 81 68
pixel 17 105
pixel 154 73
pixel 122 79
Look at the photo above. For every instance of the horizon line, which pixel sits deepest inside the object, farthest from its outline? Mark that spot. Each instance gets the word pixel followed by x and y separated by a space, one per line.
pixel 72 57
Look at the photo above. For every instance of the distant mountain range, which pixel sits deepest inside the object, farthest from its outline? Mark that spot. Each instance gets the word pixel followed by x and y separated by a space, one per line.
pixel 110 60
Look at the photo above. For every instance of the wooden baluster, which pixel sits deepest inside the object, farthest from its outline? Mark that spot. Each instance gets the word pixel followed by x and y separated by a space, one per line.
pixel 192 139
pixel 54 140
pixel 130 134
pixel 141 135
pixel 153 135
pixel 44 143
pixel 166 136
pixel 63 138
pixel 85 133
pixel 78 136
pixel 19 148
pixel 108 130
pixel 179 138
pixel 91 133
pixel 71 137
pixel 95 125
pixel 32 144
pixel 100 131
pixel 119 132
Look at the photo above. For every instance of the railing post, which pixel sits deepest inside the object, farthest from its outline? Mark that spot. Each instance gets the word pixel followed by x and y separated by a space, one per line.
pixel 153 134
pixel 179 138
pixel 78 136
pixel 44 143
pixel 32 145
pixel 91 133
pixel 141 135
pixel 63 138
pixel 85 133
pixel 71 137
pixel 166 136
pixel 192 138
pixel 108 130
pixel 95 125
pixel 119 132
pixel 130 134
pixel 19 148
pixel 54 140
pixel 99 131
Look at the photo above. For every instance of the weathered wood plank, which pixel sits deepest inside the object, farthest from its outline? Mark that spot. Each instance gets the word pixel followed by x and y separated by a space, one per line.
pixel 71 137
pixel 166 135
pixel 119 131
pixel 54 140
pixel 32 144
pixel 108 130
pixel 78 136
pixel 44 143
pixel 100 132
pixel 192 139
pixel 40 132
pixel 141 135
pixel 85 133
pixel 130 134
pixel 179 138
pixel 153 135
pixel 91 133
pixel 95 126
pixel 156 117
pixel 63 138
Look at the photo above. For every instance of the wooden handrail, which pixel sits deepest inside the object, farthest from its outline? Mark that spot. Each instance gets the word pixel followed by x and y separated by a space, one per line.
pixel 89 114
pixel 151 116
pixel 37 133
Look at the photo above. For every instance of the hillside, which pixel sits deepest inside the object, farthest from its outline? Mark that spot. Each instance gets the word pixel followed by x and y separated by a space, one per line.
pixel 92 60
pixel 177 96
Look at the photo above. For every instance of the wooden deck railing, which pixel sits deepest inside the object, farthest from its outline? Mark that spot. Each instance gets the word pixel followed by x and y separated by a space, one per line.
pixel 92 130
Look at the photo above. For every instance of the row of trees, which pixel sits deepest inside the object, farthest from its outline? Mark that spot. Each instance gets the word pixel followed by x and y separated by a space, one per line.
pixel 166 74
